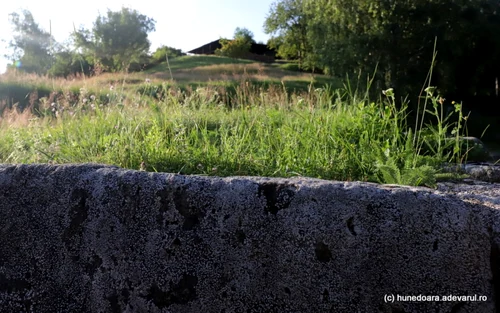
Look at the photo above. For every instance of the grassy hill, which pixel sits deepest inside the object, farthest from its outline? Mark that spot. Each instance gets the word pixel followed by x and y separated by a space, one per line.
pixel 210 69
pixel 211 115
pixel 186 73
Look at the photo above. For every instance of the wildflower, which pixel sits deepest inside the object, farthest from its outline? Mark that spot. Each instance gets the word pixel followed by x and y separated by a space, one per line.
pixel 53 104
pixel 92 97
pixel 92 106
pixel 389 92
pixel 148 80
pixel 84 100
pixel 430 90
pixel 111 87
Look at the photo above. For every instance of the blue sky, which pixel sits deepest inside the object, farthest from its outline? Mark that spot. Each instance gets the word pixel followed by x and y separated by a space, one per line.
pixel 184 24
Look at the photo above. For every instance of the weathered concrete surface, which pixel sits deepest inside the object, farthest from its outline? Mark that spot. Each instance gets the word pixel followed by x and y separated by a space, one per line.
pixel 90 238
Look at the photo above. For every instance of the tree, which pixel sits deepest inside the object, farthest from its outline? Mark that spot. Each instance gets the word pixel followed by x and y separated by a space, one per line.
pixel 398 37
pixel 243 34
pixel 117 39
pixel 287 22
pixel 31 45
pixel 161 53
pixel 239 46
pixel 67 62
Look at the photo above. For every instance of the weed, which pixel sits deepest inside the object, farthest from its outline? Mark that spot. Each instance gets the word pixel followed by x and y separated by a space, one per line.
pixel 240 129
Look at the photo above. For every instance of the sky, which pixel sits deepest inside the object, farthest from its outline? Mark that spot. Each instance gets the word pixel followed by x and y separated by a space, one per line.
pixel 182 24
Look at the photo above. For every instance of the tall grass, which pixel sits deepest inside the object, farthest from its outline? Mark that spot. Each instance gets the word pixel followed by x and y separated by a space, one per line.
pixel 326 133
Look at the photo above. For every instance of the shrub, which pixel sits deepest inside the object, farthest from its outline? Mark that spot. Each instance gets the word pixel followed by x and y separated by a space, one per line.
pixel 162 52
pixel 68 63
pixel 237 48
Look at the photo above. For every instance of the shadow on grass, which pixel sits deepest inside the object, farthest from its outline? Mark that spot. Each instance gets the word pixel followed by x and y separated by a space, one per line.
pixel 187 62
pixel 20 95
pixel 234 92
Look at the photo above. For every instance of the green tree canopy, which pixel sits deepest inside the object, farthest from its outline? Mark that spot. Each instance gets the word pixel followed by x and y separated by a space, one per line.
pixel 239 46
pixel 161 53
pixel 288 23
pixel 396 37
pixel 243 34
pixel 31 45
pixel 117 39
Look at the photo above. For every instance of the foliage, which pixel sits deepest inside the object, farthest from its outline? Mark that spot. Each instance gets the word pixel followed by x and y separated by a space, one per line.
pixel 236 48
pixel 325 133
pixel 239 47
pixel 31 45
pixel 160 55
pixel 117 39
pixel 243 34
pixel 396 37
pixel 68 63
pixel 288 22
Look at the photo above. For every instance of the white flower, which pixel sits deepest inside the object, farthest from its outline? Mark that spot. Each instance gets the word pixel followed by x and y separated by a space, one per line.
pixel 389 92
pixel 92 97
pixel 430 90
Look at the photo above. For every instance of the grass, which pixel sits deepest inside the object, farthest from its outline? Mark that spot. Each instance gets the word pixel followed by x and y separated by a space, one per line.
pixel 204 70
pixel 223 128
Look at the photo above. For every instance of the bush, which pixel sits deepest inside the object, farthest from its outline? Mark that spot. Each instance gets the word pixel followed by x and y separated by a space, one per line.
pixel 237 48
pixel 144 62
pixel 162 52
pixel 67 63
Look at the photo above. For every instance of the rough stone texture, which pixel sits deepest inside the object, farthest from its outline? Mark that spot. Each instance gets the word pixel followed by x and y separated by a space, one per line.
pixel 486 172
pixel 91 238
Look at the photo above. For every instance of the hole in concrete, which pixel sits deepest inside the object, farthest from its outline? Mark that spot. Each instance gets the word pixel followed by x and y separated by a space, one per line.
pixel 114 302
pixel 180 293
pixel 240 236
pixel 278 196
pixel 323 253
pixel 176 242
pixel 326 295
pixel 435 245
pixel 350 226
